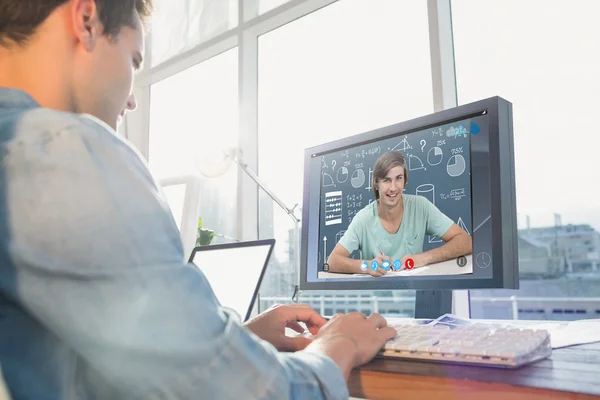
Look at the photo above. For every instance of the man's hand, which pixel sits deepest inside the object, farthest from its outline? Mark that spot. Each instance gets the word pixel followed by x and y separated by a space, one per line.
pixel 379 271
pixel 419 260
pixel 352 340
pixel 270 325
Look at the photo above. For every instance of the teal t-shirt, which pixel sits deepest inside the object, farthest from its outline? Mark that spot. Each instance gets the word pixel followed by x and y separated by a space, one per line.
pixel 420 218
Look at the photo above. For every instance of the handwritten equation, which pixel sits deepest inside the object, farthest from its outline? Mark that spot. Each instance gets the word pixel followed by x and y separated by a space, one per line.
pixel 354 197
pixel 368 152
pixel 455 194
pixel 437 132
pixel 352 213
pixel 354 204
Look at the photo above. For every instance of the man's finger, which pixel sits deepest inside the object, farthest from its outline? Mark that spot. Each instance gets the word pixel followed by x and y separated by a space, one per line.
pixel 295 326
pixel 313 329
pixel 299 305
pixel 306 315
pixel 377 320
pixel 387 333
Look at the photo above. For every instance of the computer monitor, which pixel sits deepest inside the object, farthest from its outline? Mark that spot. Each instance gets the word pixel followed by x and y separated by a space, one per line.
pixel 458 161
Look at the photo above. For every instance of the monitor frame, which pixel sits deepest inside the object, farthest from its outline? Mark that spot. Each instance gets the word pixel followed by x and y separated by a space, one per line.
pixel 503 216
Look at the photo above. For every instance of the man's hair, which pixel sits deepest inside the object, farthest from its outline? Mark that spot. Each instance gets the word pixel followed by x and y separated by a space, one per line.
pixel 382 166
pixel 19 19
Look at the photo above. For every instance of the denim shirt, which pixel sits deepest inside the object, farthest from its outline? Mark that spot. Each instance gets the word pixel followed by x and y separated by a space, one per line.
pixel 96 300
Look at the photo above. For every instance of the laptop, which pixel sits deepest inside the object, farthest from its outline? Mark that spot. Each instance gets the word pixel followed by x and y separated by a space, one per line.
pixel 235 271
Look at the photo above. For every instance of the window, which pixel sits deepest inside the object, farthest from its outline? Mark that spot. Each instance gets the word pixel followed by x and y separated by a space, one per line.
pixel 546 63
pixel 317 84
pixel 179 25
pixel 268 5
pixel 194 115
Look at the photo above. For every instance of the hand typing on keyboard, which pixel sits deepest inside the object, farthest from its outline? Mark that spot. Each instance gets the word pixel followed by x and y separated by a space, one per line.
pixel 470 344
pixel 351 340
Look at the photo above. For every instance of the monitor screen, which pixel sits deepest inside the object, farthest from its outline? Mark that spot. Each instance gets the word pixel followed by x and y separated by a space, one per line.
pixel 424 204
pixel 247 261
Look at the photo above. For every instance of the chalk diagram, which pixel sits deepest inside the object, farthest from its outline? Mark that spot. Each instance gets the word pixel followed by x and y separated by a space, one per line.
pixel 327 180
pixel 370 179
pixel 342 175
pixel 324 165
pixel 435 156
pixel 333 208
pixel 358 178
pixel 402 146
pixel 338 236
pixel 434 239
pixel 456 165
pixel 415 163
pixel 427 190
pixel 462 225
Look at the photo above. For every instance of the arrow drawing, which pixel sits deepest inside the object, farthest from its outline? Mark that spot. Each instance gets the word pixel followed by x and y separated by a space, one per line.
pixel 324 249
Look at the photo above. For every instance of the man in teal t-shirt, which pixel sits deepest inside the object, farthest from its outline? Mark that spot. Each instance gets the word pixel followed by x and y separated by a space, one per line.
pixel 395 224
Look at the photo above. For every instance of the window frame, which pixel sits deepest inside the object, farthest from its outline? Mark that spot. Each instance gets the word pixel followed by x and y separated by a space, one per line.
pixel 245 36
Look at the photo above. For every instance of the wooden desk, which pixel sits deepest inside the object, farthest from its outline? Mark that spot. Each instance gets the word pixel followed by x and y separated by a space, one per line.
pixel 570 373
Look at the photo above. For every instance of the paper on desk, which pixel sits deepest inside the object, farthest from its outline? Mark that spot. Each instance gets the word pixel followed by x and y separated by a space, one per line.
pixel 570 333
pixel 406 272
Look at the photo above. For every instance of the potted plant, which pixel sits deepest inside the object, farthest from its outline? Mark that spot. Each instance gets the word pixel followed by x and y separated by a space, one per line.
pixel 203 236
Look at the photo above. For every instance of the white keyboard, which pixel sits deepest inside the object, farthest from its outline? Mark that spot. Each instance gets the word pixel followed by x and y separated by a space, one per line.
pixel 476 344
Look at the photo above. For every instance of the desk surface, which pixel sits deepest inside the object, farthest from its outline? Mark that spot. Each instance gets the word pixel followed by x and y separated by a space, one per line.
pixel 572 372
pixel 449 267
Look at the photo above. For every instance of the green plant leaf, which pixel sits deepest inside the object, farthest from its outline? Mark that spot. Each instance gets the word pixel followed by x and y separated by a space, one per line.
pixel 205 236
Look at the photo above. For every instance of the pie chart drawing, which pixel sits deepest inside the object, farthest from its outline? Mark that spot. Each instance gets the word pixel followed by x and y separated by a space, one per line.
pixel 342 175
pixel 358 178
pixel 435 156
pixel 456 165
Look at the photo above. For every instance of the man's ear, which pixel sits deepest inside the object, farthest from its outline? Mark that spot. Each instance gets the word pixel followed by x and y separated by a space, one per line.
pixel 86 23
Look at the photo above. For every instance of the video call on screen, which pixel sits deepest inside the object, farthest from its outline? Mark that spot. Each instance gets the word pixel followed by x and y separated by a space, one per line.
pixel 439 168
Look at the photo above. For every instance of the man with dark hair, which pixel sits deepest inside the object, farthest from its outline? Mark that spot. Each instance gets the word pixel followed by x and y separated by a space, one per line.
pixel 96 301
pixel 100 74
pixel 394 226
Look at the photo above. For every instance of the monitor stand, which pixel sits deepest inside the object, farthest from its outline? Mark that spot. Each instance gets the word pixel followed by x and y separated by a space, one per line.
pixel 431 304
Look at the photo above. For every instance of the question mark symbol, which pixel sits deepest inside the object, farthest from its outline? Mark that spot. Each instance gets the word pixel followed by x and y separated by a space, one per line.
pixel 333 164
pixel 423 143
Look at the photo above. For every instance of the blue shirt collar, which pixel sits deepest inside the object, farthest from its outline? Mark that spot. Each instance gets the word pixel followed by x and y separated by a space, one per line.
pixel 16 98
